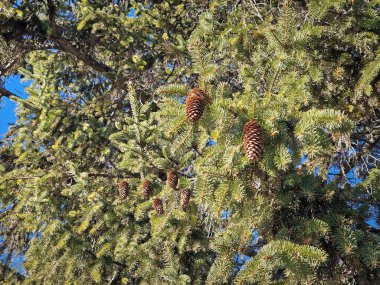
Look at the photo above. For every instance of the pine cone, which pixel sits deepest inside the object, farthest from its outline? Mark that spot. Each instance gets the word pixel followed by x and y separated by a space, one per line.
pixel 253 140
pixel 376 87
pixel 185 198
pixel 158 206
pixel 123 190
pixel 195 104
pixel 147 188
pixel 172 179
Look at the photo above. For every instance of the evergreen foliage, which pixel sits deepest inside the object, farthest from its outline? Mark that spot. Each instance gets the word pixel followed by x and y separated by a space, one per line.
pixel 107 104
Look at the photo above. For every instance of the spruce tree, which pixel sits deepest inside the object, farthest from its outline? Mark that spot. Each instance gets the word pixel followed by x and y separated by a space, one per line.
pixel 191 142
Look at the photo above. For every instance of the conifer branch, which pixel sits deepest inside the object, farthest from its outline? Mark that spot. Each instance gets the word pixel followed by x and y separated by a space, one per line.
pixel 8 210
pixel 10 95
pixel 286 22
pixel 113 261
pixel 105 175
pixel 274 78
pixel 278 40
pixel 66 46
pixel 8 67
pixel 254 6
pixel 5 268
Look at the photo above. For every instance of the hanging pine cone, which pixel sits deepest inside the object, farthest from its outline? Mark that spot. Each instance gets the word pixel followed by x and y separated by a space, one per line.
pixel 147 188
pixel 376 87
pixel 158 206
pixel 172 179
pixel 253 140
pixel 195 104
pixel 123 190
pixel 185 198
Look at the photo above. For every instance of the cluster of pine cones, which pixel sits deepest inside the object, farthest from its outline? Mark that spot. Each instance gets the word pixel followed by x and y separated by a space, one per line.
pixel 147 189
pixel 196 101
pixel 172 181
pixel 252 133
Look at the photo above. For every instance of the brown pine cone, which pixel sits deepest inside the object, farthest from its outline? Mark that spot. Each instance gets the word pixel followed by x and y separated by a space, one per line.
pixel 147 188
pixel 123 190
pixel 172 179
pixel 253 141
pixel 195 104
pixel 158 206
pixel 185 198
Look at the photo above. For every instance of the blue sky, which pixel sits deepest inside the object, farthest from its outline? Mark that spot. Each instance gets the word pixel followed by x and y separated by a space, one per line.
pixel 7 107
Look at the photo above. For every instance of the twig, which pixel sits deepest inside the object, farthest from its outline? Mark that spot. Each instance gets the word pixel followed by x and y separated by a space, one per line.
pixel 6 93
pixel 274 78
pixel 113 277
